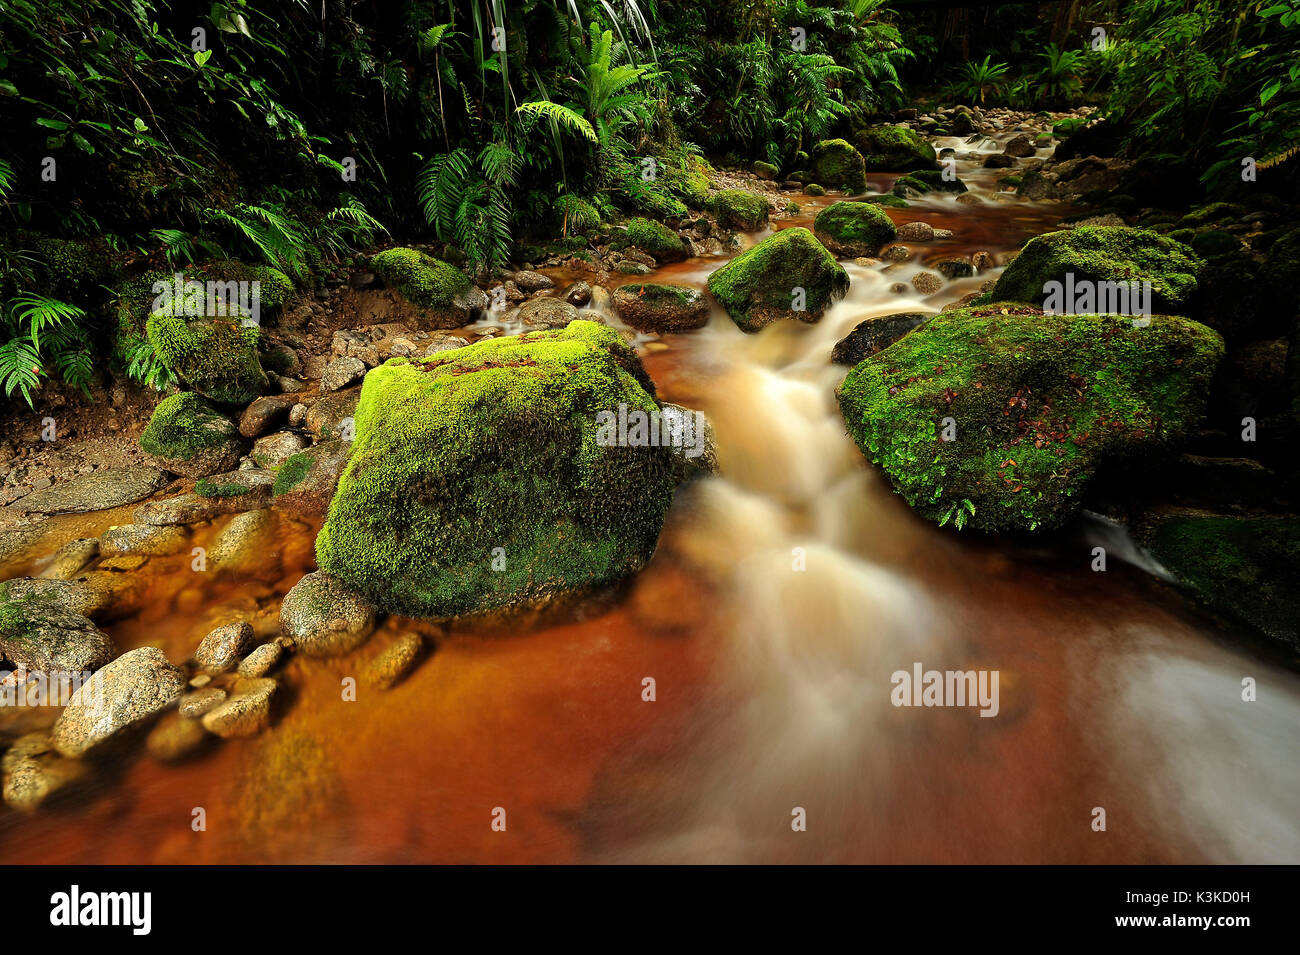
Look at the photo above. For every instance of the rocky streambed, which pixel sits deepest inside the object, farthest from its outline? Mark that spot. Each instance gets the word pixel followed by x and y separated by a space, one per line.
pixel 378 572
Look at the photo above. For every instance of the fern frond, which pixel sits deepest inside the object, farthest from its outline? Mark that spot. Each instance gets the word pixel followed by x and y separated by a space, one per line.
pixel 561 114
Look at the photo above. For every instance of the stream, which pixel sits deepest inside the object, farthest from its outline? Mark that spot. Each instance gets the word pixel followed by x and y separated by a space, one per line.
pixel 783 595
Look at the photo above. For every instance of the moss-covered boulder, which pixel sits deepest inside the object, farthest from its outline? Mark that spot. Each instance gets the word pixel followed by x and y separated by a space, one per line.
pixel 661 308
pixel 787 275
pixel 894 149
pixel 836 163
pixel 653 238
pixel 926 180
pixel 1000 416
pixel 442 290
pixel 737 209
pixel 1244 567
pixel 216 357
pixel 763 170
pixel 139 297
pixel 1104 254
pixel 853 228
pixel 191 438
pixel 487 477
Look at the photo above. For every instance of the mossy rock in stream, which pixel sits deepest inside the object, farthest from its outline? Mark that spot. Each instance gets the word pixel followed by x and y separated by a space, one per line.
pixel 661 308
pixel 1244 567
pixel 191 437
pixel 836 163
pixel 853 228
pixel 1104 254
pixel 1034 405
pixel 216 357
pixel 737 209
pixel 438 287
pixel 766 283
pixel 483 478
pixel 653 238
pixel 926 180
pixel 894 149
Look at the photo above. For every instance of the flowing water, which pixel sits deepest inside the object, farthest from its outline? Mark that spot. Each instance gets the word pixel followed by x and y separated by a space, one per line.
pixel 783 595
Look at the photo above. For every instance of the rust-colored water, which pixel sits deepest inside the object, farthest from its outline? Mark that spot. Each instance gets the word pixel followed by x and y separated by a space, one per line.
pixel 772 680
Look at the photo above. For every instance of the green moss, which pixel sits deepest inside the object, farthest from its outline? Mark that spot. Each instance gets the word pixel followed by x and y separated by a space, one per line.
pixel 759 286
pixel 428 282
pixel 1214 212
pixel 1104 254
pixel 291 473
pixel 894 149
pixel 216 357
pixel 926 180
pixel 206 487
pixel 1241 566
pixel 814 189
pixel 1039 402
pixel 737 209
pixel 182 426
pixel 136 297
pixel 836 163
pixel 495 446
pixel 764 170
pixel 1215 242
pixel 853 228
pixel 653 238
pixel 71 269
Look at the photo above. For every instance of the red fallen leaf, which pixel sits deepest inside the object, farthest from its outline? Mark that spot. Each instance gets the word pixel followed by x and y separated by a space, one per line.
pixel 1017 489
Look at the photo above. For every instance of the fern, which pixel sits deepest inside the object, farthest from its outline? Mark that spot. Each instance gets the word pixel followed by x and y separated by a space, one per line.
pixel 38 327
pixel 559 114
pixel 20 368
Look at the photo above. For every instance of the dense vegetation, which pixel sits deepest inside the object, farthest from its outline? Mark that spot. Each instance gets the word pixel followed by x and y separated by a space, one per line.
pixel 146 137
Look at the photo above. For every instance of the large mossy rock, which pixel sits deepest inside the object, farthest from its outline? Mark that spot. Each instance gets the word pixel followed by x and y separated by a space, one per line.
pixel 1104 254
pixel 836 163
pixel 1245 567
pixel 853 228
pixel 191 438
pixel 478 479
pixel 763 284
pixel 216 357
pixel 1037 404
pixel 738 209
pixel 653 238
pixel 894 149
pixel 441 289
